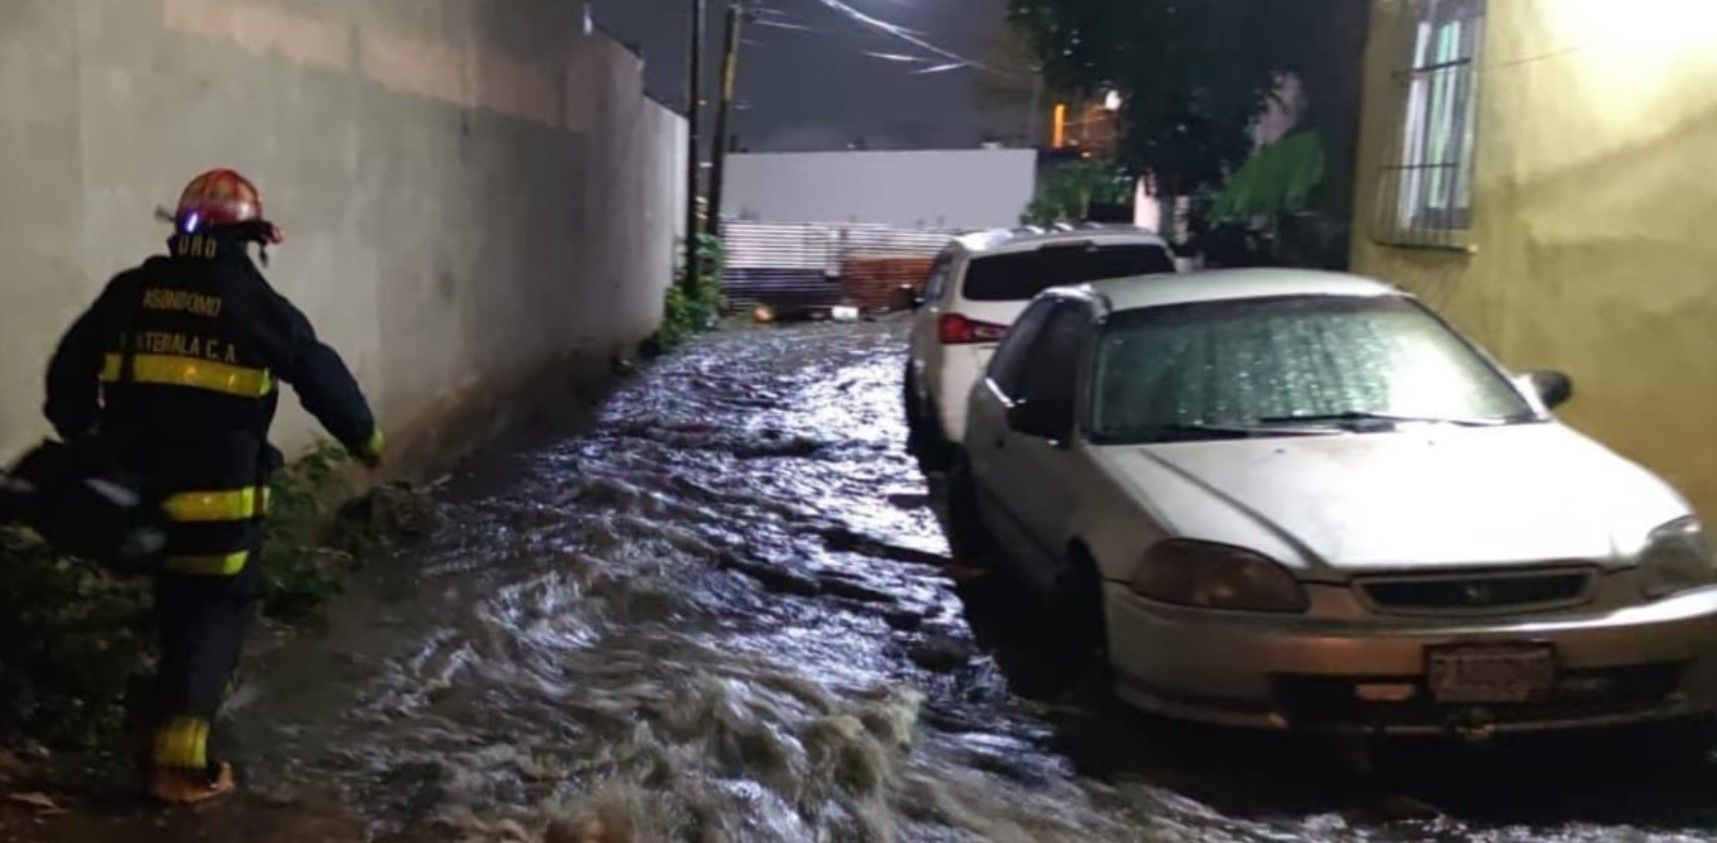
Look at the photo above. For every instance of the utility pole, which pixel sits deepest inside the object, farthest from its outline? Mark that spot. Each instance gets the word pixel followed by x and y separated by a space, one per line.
pixel 729 74
pixel 694 152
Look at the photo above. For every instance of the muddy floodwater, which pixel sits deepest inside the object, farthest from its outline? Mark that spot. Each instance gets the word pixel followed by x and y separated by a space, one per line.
pixel 724 611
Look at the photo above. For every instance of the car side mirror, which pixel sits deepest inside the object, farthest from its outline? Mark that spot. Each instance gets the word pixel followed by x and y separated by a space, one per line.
pixel 1051 420
pixel 1553 388
pixel 917 301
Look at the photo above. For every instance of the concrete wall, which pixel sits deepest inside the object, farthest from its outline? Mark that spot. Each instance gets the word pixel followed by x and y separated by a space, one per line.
pixel 967 188
pixel 1593 205
pixel 475 194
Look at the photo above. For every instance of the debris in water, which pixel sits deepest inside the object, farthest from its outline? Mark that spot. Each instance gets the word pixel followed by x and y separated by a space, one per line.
pixel 770 577
pixel 904 620
pixel 909 500
pixel 940 653
pixel 11 768
pixel 842 538
pixel 392 514
pixel 842 587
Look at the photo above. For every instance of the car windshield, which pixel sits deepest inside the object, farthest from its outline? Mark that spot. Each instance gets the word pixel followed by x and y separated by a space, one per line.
pixel 1017 276
pixel 1289 365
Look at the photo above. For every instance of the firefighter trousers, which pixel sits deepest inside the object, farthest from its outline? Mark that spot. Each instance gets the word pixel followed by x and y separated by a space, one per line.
pixel 200 624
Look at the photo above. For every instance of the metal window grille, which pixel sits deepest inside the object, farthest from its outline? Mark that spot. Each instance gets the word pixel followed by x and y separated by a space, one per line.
pixel 1425 185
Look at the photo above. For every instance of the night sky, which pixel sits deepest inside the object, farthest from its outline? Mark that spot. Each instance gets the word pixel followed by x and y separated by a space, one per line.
pixel 815 75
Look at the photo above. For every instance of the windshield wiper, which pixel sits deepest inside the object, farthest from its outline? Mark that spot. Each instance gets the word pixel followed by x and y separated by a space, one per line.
pixel 1171 432
pixel 1363 416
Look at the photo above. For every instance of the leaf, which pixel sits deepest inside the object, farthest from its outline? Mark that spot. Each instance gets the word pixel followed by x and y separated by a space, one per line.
pixel 37 800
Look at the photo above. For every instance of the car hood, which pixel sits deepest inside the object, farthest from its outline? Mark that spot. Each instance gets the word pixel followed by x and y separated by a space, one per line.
pixel 1415 498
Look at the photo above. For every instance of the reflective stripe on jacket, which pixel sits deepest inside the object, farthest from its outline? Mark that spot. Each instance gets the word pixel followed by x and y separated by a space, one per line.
pixel 179 362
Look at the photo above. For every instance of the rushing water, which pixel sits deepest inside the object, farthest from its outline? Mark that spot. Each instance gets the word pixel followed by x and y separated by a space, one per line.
pixel 725 614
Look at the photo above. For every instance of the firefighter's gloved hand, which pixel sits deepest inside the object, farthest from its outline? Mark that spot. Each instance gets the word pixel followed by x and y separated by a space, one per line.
pixel 369 454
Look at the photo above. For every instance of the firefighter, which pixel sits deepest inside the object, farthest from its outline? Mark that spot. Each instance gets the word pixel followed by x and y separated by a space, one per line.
pixel 176 369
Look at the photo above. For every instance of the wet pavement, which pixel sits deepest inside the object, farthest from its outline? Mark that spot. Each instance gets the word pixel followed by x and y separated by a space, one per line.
pixel 725 613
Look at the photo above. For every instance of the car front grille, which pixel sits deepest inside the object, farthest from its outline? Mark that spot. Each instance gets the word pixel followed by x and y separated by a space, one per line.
pixel 1334 702
pixel 1470 593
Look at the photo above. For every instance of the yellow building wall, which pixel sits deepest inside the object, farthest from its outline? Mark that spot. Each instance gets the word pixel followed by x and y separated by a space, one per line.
pixel 1594 214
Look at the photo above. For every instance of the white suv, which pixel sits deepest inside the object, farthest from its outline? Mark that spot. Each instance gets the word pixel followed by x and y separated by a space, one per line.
pixel 977 287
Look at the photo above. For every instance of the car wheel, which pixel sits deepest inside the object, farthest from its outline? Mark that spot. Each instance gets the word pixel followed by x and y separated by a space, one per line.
pixel 1066 659
pixel 1080 637
pixel 924 439
pixel 970 542
pixel 1077 601
pixel 1683 744
pixel 1077 604
pixel 909 401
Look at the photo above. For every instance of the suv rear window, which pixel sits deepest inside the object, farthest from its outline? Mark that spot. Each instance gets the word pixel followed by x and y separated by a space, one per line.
pixel 1018 276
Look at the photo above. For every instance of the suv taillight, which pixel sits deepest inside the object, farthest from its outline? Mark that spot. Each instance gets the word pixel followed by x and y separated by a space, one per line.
pixel 955 329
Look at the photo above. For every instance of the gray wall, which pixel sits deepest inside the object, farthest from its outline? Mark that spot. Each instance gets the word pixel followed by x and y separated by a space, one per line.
pixel 474 193
pixel 964 188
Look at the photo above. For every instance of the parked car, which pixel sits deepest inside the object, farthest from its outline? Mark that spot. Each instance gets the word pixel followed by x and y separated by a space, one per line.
pixel 977 286
pixel 1278 498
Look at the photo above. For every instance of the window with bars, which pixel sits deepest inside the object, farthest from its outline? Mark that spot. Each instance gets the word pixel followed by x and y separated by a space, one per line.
pixel 1425 185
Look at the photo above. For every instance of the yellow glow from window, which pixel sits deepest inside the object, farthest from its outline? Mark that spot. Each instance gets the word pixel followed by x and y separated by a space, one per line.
pixel 1651 24
pixel 1635 61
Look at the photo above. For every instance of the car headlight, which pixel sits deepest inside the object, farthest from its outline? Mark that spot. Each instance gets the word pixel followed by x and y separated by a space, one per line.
pixel 1217 576
pixel 1676 558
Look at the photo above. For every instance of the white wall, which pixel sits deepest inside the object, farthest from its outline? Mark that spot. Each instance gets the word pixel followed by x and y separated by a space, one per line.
pixel 474 194
pixel 975 188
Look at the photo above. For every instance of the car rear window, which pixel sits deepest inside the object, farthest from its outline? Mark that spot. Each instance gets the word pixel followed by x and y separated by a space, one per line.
pixel 1018 276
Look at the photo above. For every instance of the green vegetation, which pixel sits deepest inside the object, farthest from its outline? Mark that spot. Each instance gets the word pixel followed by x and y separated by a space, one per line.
pixel 694 307
pixel 1065 194
pixel 74 636
pixel 1278 180
pixel 1194 75
pixel 298 571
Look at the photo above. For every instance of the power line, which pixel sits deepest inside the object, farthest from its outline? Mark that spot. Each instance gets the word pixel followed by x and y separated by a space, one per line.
pixel 907 35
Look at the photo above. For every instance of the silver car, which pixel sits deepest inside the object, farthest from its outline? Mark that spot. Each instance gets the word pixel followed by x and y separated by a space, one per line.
pixel 1281 498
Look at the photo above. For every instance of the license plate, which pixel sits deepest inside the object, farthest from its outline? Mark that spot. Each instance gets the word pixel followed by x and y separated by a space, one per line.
pixel 1490 674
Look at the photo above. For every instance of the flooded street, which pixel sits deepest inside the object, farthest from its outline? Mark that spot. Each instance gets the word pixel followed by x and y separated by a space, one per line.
pixel 725 613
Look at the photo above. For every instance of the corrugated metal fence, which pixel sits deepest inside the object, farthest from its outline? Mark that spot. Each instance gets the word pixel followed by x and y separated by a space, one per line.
pixel 801 268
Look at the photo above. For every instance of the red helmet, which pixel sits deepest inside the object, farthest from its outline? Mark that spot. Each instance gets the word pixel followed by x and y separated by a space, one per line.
pixel 223 197
pixel 218 197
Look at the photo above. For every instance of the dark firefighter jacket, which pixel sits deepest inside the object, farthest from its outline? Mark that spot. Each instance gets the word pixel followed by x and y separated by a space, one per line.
pixel 178 366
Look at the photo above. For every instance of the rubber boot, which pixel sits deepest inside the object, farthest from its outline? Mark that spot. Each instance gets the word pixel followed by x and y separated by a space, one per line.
pixel 176 786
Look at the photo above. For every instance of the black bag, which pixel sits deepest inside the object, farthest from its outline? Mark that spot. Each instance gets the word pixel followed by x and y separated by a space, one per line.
pixel 83 503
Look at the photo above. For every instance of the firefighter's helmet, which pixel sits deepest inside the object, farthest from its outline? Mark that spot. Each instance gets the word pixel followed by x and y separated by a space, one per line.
pixel 216 198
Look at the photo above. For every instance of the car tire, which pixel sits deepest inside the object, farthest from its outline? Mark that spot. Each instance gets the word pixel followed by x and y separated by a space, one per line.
pixel 970 542
pixel 1682 744
pixel 1076 602
pixel 1065 658
pixel 924 438
pixel 910 402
